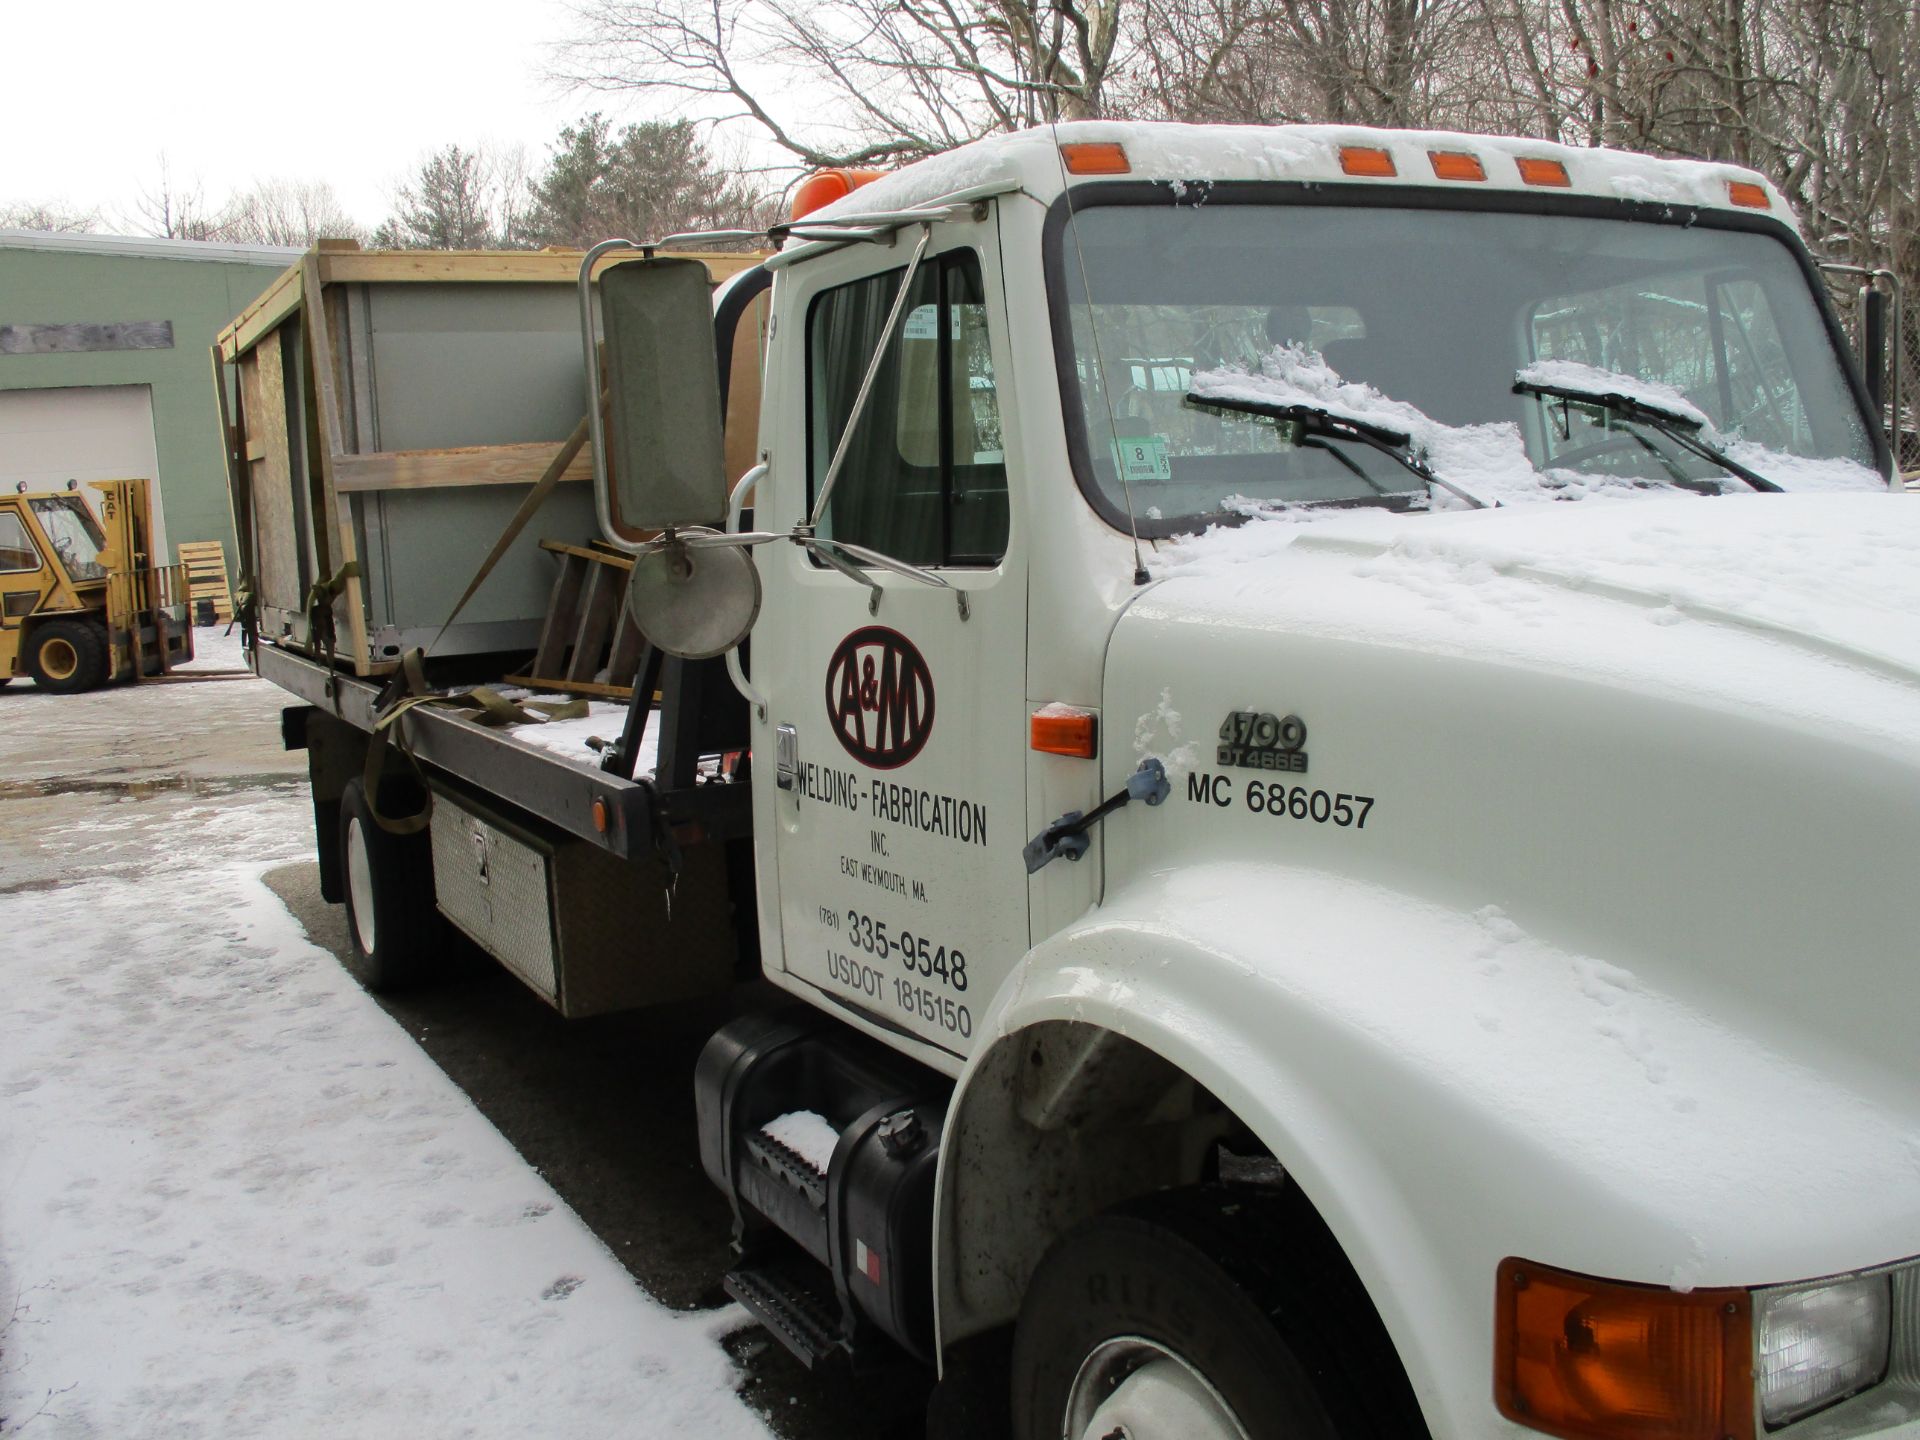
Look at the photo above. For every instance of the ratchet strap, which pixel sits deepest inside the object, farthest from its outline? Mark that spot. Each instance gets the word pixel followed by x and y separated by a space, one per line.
pixel 407 691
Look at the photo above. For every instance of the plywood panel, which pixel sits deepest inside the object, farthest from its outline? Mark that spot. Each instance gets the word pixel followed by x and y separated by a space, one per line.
pixel 277 539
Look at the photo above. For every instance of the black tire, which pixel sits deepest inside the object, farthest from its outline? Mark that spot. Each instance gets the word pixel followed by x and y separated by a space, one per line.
pixel 1244 1290
pixel 68 656
pixel 396 938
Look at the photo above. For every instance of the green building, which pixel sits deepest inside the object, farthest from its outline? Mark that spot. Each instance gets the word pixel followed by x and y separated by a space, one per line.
pixel 106 368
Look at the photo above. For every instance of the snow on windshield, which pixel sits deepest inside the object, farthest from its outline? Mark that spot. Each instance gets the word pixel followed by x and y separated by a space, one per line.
pixel 1572 375
pixel 1488 461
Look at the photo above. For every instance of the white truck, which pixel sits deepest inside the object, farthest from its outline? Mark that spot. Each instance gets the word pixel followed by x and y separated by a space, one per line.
pixel 1332 778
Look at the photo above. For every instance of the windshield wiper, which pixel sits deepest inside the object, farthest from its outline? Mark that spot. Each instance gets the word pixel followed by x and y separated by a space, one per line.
pixel 1682 430
pixel 1318 423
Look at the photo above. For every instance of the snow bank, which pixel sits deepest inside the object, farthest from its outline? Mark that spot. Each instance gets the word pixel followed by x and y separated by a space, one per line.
pixel 237 1199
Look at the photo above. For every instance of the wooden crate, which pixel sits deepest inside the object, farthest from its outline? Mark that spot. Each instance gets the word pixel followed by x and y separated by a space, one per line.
pixel 392 410
pixel 206 564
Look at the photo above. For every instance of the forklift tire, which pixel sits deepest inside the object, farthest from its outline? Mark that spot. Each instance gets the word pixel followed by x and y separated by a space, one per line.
pixel 396 939
pixel 67 656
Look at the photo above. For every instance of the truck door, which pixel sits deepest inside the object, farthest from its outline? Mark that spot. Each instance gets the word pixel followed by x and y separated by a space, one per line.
pixel 902 896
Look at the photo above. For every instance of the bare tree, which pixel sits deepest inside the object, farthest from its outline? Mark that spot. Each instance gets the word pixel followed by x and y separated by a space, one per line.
pixel 290 212
pixel 174 211
pixel 48 215
pixel 902 78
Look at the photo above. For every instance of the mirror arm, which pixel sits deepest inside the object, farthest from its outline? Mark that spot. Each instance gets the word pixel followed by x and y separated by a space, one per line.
pixel 846 568
pixel 736 503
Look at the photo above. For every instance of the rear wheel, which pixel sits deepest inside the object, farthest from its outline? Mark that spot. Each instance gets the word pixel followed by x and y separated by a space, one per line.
pixel 1204 1314
pixel 67 656
pixel 396 936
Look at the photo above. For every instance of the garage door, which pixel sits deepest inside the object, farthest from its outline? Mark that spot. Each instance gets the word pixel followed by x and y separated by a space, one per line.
pixel 100 432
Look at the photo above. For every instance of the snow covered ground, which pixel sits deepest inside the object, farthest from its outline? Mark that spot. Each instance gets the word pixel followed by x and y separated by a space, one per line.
pixel 236 1199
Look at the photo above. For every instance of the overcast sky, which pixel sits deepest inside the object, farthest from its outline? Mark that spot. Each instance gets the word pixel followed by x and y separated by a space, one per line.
pixel 352 92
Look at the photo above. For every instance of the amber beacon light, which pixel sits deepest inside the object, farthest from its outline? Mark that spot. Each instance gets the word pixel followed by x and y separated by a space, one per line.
pixel 823 187
pixel 1579 1357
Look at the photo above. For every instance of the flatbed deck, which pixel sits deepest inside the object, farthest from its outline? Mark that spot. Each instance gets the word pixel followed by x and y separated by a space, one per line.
pixel 549 786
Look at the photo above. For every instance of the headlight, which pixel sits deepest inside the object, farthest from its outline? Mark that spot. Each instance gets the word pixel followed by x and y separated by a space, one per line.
pixel 1816 1344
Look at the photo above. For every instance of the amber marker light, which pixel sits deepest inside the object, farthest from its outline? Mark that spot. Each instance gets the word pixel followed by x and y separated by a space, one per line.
pixel 1456 165
pixel 1366 160
pixel 1543 172
pixel 1745 192
pixel 1060 730
pixel 1095 158
pixel 1598 1360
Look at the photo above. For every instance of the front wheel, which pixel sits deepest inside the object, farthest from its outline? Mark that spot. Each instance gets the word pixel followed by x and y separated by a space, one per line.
pixel 1204 1314
pixel 68 656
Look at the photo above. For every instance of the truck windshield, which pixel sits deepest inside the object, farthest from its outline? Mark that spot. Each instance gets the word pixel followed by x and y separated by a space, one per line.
pixel 76 536
pixel 1421 320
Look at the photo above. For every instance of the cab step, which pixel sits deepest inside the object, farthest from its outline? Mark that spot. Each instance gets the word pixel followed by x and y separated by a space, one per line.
pixel 793 1298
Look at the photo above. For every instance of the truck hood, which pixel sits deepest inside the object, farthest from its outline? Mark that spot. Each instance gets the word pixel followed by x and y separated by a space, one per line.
pixel 1832 577
pixel 1643 787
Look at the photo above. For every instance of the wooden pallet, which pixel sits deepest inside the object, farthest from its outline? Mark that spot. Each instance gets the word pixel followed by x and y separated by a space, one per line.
pixel 588 627
pixel 206 562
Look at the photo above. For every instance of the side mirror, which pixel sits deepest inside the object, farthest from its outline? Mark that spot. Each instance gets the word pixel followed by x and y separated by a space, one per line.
pixel 663 466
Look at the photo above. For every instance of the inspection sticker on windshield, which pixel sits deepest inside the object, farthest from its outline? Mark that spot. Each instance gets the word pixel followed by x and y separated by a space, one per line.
pixel 1143 457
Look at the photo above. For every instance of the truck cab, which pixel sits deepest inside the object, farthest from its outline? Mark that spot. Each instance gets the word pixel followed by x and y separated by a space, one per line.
pixel 80 602
pixel 1421 554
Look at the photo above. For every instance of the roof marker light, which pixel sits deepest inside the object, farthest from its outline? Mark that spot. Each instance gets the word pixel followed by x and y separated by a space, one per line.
pixel 1456 165
pixel 1745 192
pixel 1542 172
pixel 1095 158
pixel 1367 160
pixel 1064 730
pixel 823 187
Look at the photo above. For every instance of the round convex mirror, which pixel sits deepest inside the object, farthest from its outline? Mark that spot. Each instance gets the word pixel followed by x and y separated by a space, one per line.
pixel 694 603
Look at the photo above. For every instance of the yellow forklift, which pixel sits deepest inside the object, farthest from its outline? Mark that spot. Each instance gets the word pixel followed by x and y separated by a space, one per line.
pixel 80 603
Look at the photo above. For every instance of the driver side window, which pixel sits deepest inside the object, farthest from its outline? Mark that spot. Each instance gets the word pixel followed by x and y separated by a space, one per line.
pixel 924 479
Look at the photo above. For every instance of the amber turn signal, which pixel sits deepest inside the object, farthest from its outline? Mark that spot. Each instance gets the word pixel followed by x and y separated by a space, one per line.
pixel 1060 730
pixel 1366 160
pixel 1095 158
pixel 823 187
pixel 1745 192
pixel 1598 1360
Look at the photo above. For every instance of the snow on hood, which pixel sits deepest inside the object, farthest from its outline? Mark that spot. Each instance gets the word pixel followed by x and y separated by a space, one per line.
pixel 1833 574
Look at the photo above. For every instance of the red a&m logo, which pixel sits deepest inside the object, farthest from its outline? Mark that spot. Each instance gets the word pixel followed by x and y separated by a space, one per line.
pixel 879 697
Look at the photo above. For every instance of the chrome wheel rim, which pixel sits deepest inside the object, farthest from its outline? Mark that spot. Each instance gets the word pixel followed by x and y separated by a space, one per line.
pixel 360 885
pixel 1131 1388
